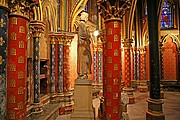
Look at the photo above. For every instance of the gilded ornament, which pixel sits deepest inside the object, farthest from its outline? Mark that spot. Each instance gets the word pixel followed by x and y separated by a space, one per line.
pixel 11 115
pixel 1 41
pixel 36 57
pixel 36 49
pixel 20 105
pixel 1 79
pixel 109 60
pixel 109 74
pixel 20 90
pixel 115 66
pixel 13 36
pixel 20 75
pixel 115 95
pixel 21 29
pixel 12 99
pixel 1 60
pixel 12 67
pixel 37 39
pixel 12 83
pixel 108 102
pixel 2 23
pixel 108 117
pixel 116 38
pixel 115 52
pixel 21 59
pixel 115 81
pixel 21 44
pixel 14 20
pixel 110 31
pixel 109 88
pixel 109 45
pixel 12 51
pixel 115 110
pixel 116 24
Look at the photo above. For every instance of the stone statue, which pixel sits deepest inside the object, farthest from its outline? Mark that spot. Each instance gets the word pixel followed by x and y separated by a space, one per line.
pixel 84 59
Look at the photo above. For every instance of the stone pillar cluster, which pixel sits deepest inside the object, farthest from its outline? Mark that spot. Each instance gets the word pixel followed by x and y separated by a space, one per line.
pixel 37 28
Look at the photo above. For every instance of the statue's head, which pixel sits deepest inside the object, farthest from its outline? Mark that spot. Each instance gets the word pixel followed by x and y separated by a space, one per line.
pixel 84 16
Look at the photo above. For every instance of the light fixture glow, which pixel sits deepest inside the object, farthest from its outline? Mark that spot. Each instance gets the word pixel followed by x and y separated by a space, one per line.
pixel 96 33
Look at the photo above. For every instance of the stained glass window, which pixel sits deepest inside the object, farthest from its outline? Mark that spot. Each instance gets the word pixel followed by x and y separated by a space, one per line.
pixel 167 15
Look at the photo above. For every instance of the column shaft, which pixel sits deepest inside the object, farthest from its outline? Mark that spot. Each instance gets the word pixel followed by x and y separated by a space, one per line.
pixel 142 64
pixel 52 64
pixel 113 69
pixel 154 111
pixel 16 69
pixel 3 60
pixel 60 64
pixel 36 66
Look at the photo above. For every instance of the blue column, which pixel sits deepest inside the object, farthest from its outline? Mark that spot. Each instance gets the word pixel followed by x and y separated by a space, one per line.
pixel 3 60
pixel 36 64
pixel 100 67
pixel 52 64
pixel 95 67
pixel 60 64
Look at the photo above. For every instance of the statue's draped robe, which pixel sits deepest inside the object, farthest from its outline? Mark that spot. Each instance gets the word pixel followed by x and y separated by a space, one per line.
pixel 84 59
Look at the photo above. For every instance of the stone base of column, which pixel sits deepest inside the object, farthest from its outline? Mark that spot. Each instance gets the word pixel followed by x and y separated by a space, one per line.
pixel 83 100
pixel 57 98
pixel 37 108
pixel 130 94
pixel 143 88
pixel 154 111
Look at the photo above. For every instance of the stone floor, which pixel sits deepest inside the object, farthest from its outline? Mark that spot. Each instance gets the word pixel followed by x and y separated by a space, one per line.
pixel 137 111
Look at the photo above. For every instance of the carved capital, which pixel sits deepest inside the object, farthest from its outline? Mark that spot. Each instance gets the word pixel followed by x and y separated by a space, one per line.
pixel 113 10
pixel 19 7
pixel 36 28
pixel 68 38
pixel 59 36
pixel 127 42
pixel 4 3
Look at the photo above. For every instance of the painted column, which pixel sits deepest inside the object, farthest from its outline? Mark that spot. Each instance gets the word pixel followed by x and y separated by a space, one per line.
pixel 134 64
pixel 52 64
pixel 60 65
pixel 95 65
pixel 37 29
pixel 3 57
pixel 155 111
pixel 127 70
pixel 17 61
pixel 142 64
pixel 137 64
pixel 66 65
pixel 112 87
pixel 100 63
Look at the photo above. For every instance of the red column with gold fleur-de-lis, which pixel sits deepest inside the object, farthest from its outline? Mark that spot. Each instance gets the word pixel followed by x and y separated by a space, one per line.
pixel 127 69
pixel 142 64
pixel 66 64
pixel 16 68
pixel 112 12
pixel 113 69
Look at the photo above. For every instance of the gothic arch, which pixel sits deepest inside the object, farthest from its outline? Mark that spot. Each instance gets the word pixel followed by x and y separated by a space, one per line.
pixel 50 8
pixel 77 9
pixel 174 40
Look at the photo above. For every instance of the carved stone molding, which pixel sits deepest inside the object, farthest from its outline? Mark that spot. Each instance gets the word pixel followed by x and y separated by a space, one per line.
pixel 37 28
pixel 19 7
pixel 113 10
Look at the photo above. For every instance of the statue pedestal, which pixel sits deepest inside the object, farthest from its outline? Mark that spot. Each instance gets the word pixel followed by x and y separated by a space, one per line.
pixel 83 100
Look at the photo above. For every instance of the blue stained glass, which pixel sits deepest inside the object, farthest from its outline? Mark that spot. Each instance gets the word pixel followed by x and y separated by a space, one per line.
pixel 166 16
